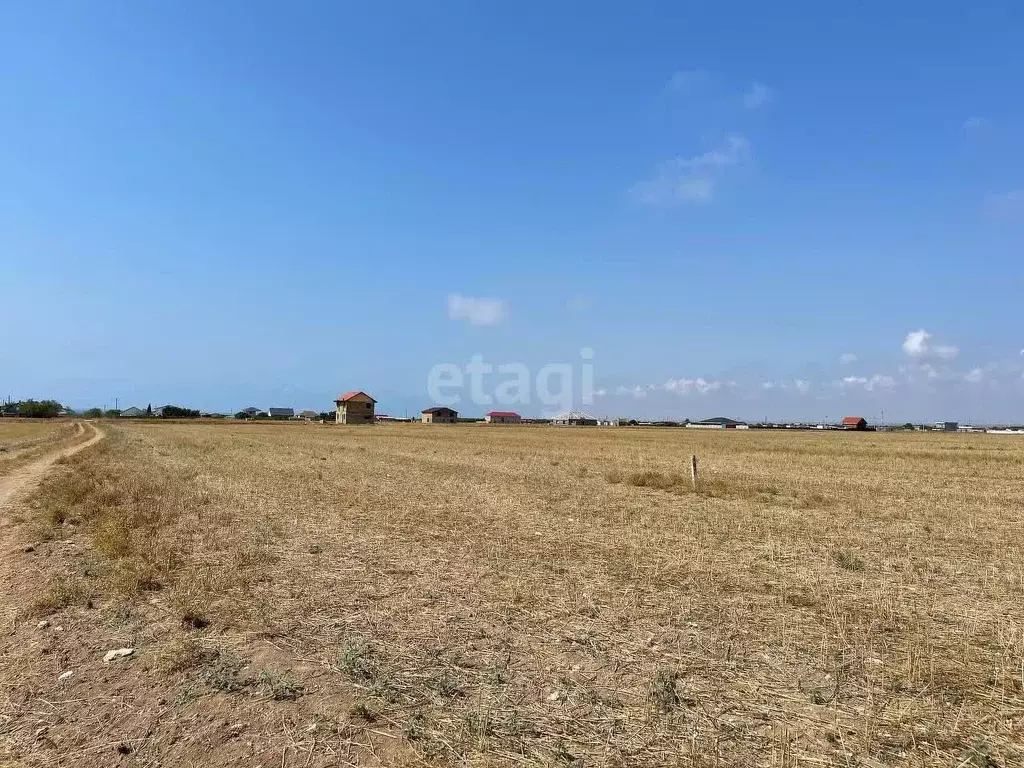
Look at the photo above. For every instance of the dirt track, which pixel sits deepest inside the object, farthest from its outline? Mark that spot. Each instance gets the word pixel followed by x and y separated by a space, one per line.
pixel 25 478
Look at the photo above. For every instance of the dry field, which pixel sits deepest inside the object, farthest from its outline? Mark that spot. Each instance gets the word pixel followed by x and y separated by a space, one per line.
pixel 24 439
pixel 307 595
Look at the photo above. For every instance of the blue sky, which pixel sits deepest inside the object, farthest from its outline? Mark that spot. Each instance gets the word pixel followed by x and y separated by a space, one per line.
pixel 234 203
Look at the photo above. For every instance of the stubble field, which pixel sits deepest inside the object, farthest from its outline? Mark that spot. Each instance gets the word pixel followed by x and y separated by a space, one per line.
pixel 307 595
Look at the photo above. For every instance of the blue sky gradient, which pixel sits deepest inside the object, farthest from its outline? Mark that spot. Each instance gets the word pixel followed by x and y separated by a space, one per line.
pixel 236 203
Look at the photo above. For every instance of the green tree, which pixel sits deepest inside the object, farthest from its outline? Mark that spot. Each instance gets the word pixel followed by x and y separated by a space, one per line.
pixel 177 412
pixel 40 409
pixel 93 413
pixel 149 411
pixel 113 413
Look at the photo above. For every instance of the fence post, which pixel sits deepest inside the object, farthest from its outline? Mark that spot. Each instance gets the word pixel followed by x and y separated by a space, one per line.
pixel 693 471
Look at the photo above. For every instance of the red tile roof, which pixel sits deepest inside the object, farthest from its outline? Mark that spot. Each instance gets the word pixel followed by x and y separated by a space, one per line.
pixel 505 414
pixel 349 395
pixel 853 421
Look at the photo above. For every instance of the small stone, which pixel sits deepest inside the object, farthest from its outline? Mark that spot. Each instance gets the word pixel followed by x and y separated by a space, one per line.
pixel 65 676
pixel 42 624
pixel 553 696
pixel 117 653
pixel 28 548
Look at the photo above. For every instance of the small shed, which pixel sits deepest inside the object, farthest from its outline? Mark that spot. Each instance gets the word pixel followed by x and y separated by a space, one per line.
pixel 439 414
pixel 280 413
pixel 857 423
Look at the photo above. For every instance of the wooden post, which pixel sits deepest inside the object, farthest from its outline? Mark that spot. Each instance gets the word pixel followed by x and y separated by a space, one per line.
pixel 693 471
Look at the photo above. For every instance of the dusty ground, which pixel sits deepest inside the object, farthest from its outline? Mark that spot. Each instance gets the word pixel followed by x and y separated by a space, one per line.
pixel 307 595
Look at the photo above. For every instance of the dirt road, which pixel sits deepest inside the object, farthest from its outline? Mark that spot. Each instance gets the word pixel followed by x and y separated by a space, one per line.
pixel 23 479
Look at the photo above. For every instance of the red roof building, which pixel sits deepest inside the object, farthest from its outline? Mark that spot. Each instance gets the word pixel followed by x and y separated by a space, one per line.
pixel 855 422
pixel 349 395
pixel 354 408
pixel 503 417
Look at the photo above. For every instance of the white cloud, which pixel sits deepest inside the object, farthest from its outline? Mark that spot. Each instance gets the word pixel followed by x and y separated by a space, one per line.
pixel 975 126
pixel 847 357
pixel 1005 205
pixel 974 376
pixel 638 391
pixel 767 385
pixel 919 346
pixel 757 96
pixel 693 179
pixel 878 381
pixel 687 386
pixel 688 80
pixel 476 311
pixel 802 385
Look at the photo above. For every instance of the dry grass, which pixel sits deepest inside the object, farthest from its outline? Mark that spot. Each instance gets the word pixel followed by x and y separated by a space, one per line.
pixel 22 440
pixel 474 596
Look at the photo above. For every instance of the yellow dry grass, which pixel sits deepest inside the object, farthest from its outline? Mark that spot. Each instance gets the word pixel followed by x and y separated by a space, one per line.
pixel 314 595
pixel 24 439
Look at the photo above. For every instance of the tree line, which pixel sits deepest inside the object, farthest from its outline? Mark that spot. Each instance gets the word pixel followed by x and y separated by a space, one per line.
pixel 49 409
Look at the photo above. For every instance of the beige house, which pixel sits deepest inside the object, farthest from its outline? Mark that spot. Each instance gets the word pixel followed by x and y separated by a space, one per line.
pixel 439 415
pixel 354 408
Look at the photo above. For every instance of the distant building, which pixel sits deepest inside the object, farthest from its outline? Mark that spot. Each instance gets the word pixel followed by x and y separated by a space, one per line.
pixel 857 423
pixel 251 412
pixel 503 417
pixel 718 422
pixel 132 413
pixel 439 415
pixel 158 412
pixel 947 426
pixel 309 415
pixel 574 419
pixel 280 413
pixel 354 408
